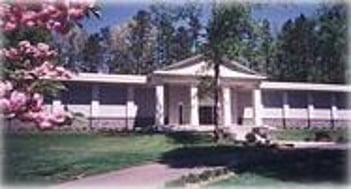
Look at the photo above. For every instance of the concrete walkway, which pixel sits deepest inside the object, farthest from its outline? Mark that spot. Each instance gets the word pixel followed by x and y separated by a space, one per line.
pixel 153 175
pixel 316 145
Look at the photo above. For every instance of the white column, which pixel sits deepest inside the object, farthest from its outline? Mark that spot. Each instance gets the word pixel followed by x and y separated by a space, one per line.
pixel 257 107
pixel 130 108
pixel 95 103
pixel 286 107
pixel 227 110
pixel 194 102
pixel 159 109
pixel 310 108
pixel 57 105
pixel 334 109
pixel 234 106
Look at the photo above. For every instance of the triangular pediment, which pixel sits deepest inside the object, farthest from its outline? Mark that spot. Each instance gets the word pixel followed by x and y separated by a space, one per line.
pixel 199 66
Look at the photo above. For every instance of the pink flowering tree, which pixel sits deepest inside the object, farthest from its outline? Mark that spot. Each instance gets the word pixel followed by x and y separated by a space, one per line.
pixel 29 67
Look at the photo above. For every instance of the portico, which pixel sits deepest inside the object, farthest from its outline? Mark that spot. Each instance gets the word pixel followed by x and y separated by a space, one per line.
pixel 177 93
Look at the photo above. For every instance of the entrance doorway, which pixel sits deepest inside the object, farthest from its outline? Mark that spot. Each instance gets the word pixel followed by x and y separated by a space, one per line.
pixel 206 115
pixel 180 114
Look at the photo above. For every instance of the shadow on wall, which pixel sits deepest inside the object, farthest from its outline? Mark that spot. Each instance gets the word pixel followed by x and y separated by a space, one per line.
pixel 145 107
pixel 305 166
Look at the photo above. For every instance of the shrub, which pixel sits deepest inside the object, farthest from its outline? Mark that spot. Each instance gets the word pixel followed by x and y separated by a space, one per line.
pixel 341 139
pixel 322 136
pixel 217 172
pixel 204 176
pixel 250 138
pixel 192 178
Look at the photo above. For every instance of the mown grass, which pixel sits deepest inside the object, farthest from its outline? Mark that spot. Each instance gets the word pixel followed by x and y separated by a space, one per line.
pixel 53 158
pixel 308 134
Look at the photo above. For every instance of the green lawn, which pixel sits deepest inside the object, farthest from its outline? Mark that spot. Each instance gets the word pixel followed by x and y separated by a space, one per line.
pixel 39 158
pixel 303 134
pixel 54 158
pixel 264 166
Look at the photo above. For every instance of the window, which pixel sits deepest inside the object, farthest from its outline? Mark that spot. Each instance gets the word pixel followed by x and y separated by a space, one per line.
pixel 272 99
pixel 297 99
pixel 341 100
pixel 180 114
pixel 321 100
pixel 76 94
pixel 110 94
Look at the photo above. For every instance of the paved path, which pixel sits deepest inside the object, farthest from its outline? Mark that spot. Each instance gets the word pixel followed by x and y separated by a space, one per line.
pixel 153 175
pixel 318 145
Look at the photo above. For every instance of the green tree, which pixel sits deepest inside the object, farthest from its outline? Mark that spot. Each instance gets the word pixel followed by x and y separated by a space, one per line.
pixel 91 53
pixel 314 48
pixel 332 42
pixel 141 48
pixel 266 49
pixel 178 31
pixel 229 30
pixel 296 56
pixel 134 44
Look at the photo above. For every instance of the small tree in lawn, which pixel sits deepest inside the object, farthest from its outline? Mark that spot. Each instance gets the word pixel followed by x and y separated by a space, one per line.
pixel 29 65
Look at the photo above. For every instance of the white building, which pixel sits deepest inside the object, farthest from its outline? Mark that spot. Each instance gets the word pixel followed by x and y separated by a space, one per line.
pixel 170 97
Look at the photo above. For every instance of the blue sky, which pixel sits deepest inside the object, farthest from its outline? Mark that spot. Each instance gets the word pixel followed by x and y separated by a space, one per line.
pixel 115 13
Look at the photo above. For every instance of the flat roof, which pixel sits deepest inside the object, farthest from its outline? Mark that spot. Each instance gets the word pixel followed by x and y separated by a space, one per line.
pixel 270 85
pixel 108 78
pixel 273 85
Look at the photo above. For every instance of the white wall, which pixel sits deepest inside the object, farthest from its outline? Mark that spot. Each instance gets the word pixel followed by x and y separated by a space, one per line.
pixel 178 94
pixel 298 103
pixel 321 103
pixel 144 98
pixel 77 97
pixel 244 105
pixel 112 100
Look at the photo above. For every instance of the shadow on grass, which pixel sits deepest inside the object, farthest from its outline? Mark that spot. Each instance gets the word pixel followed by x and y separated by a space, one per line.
pixel 306 166
pixel 189 138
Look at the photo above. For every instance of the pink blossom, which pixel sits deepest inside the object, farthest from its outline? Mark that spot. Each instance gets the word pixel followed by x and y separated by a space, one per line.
pixel 30 23
pixel 76 13
pixel 4 105
pixel 19 13
pixel 43 120
pixel 43 47
pixel 37 102
pixel 9 26
pixel 45 124
pixel 59 117
pixel 24 44
pixel 28 16
pixel 17 101
pixel 5 87
pixel 40 118
pixel 88 3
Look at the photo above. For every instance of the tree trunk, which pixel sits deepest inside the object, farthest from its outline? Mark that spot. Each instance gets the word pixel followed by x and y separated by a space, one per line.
pixel 217 131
